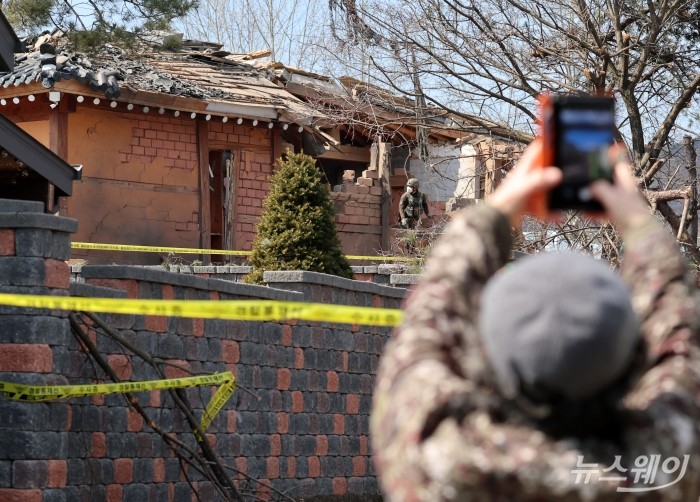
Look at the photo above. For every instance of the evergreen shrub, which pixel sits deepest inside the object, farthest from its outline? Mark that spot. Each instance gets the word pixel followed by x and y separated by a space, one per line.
pixel 297 227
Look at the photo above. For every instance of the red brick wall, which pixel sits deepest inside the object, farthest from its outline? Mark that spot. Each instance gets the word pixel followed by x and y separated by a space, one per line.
pixel 140 181
pixel 252 149
pixel 151 192
pixel 358 220
pixel 170 138
pixel 253 183
pixel 171 143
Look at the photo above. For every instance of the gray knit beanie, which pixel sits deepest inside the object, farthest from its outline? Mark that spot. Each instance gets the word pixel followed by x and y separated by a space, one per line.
pixel 557 325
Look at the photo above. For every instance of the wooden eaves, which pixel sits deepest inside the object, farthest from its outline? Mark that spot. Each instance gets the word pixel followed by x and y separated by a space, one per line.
pixel 36 156
pixel 152 99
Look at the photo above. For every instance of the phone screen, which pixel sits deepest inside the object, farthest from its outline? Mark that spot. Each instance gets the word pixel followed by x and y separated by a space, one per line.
pixel 584 132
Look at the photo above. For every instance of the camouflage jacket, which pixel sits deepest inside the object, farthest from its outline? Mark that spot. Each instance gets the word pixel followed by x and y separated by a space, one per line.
pixel 425 451
pixel 410 205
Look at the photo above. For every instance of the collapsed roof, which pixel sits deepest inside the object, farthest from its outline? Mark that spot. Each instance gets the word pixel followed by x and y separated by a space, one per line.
pixel 198 71
pixel 230 84
pixel 383 105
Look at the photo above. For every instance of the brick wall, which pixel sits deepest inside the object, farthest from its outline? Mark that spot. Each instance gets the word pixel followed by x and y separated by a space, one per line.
pixel 358 207
pixel 358 219
pixel 396 275
pixel 33 438
pixel 141 179
pixel 252 149
pixel 302 428
pixel 172 139
pixel 140 182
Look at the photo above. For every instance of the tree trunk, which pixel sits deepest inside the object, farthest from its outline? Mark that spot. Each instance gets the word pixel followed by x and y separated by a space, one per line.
pixel 691 167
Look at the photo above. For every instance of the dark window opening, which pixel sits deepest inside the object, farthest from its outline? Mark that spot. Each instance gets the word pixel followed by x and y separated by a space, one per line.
pixel 333 169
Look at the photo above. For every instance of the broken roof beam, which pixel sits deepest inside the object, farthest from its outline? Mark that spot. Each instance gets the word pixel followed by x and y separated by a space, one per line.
pixel 201 44
pixel 347 153
pixel 255 55
pixel 384 118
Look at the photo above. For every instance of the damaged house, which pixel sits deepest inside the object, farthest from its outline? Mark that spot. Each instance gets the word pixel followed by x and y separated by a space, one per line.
pixel 463 157
pixel 177 147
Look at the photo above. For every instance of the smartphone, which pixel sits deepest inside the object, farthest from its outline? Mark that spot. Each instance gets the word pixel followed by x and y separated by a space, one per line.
pixel 577 132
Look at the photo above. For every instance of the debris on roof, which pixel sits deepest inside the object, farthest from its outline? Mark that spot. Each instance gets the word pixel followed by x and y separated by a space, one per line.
pixel 202 46
pixel 200 70
pixel 264 53
pixel 203 70
pixel 162 38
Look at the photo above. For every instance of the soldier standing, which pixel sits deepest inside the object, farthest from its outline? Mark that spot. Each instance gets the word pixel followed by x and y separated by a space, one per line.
pixel 411 204
pixel 526 389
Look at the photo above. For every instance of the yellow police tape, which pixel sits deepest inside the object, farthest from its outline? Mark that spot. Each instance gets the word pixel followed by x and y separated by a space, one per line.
pixel 243 310
pixel 34 393
pixel 229 252
pixel 154 249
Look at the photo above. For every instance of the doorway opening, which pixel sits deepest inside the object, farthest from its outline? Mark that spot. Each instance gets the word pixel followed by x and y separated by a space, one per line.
pixel 221 201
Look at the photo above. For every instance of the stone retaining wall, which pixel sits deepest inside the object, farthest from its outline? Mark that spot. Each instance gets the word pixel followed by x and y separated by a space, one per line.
pixel 301 426
pixel 395 275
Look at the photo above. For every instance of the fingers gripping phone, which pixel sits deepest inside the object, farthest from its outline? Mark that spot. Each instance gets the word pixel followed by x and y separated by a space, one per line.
pixel 577 132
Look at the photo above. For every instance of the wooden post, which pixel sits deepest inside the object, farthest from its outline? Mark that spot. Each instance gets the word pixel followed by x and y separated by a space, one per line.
pixel 58 144
pixel 277 150
pixel 384 169
pixel 230 211
pixel 204 188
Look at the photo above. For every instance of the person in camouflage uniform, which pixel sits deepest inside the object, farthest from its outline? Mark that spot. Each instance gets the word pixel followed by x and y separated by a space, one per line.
pixel 442 431
pixel 411 204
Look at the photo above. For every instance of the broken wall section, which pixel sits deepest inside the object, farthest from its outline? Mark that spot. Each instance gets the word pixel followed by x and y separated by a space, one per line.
pixel 462 174
pixel 360 221
pixel 450 173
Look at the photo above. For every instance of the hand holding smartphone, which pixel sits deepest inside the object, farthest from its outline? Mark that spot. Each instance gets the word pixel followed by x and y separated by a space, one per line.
pixel 577 132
